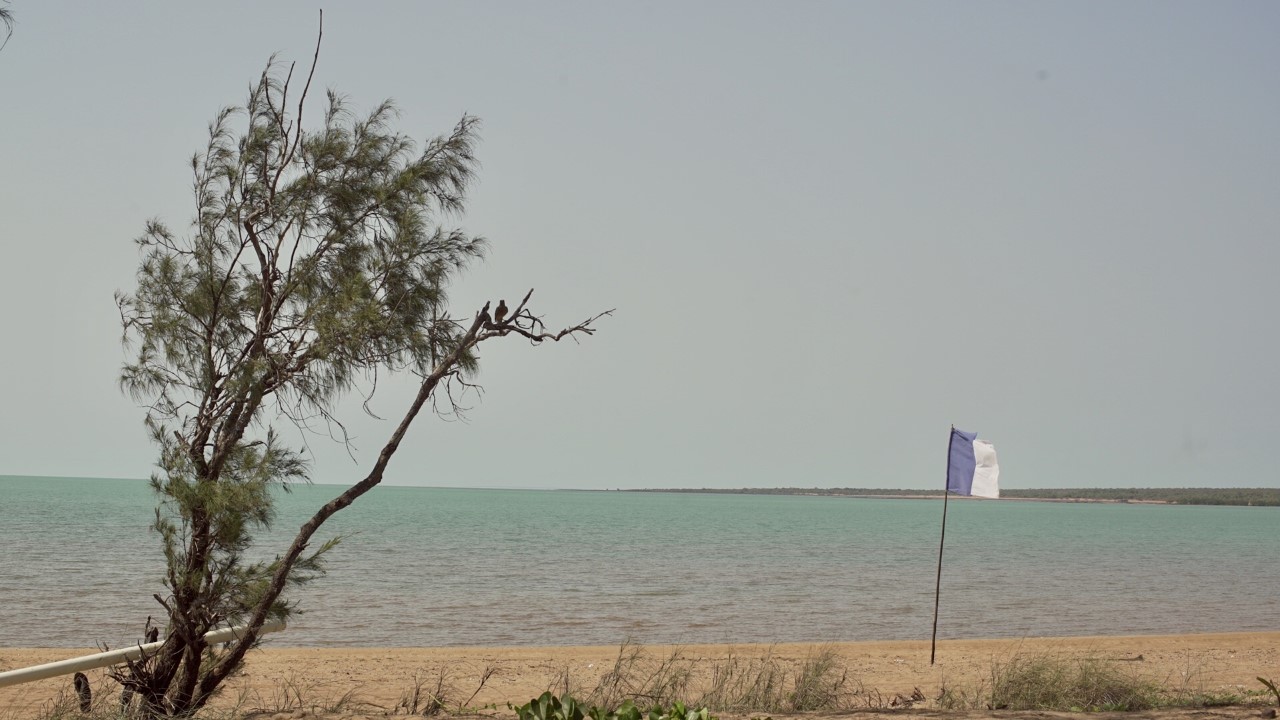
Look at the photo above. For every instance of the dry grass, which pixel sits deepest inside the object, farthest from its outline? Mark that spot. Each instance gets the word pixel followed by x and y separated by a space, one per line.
pixel 1086 684
pixel 1043 682
pixel 820 682
pixel 756 683
pixel 293 694
pixel 433 695
pixel 736 683
pixel 636 675
pixel 747 683
pixel 105 703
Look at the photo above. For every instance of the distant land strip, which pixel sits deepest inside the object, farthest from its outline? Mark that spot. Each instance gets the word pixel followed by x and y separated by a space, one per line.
pixel 1166 496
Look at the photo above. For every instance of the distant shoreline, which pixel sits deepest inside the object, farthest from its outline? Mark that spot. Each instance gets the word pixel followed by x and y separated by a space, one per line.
pixel 1233 496
pixel 1240 497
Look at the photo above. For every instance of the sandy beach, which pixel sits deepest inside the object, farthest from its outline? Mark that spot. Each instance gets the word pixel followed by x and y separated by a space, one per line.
pixel 370 682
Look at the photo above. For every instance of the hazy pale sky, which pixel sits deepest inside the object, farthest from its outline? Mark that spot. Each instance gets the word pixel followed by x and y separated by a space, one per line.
pixel 830 230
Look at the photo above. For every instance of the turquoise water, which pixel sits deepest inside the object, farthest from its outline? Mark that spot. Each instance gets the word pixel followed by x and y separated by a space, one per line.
pixel 432 566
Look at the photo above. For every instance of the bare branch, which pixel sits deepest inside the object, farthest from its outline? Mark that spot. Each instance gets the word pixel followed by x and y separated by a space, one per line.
pixel 524 323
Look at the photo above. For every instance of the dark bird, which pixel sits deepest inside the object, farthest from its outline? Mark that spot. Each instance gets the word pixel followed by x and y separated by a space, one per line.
pixel 153 634
pixel 82 689
pixel 501 313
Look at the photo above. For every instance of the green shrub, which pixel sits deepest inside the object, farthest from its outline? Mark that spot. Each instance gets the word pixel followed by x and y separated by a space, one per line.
pixel 548 706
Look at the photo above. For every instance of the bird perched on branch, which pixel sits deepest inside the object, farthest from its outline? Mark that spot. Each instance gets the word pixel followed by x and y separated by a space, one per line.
pixel 501 313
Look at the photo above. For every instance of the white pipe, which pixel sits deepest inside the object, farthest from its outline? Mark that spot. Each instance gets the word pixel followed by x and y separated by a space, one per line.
pixel 115 657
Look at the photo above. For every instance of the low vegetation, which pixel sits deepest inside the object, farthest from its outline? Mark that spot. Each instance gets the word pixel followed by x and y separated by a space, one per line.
pixel 676 685
pixel 736 683
pixel 1271 687
pixel 432 695
pixel 1073 684
pixel 1083 684
pixel 549 707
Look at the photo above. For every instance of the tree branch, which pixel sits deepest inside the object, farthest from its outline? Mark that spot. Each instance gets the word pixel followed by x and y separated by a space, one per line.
pixel 426 389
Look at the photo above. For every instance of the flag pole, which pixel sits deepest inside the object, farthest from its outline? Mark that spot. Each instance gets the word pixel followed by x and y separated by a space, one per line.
pixel 937 588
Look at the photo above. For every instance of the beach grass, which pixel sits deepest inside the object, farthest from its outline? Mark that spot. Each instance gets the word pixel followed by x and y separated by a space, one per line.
pixel 784 681
pixel 736 683
pixel 439 693
pixel 1074 683
pixel 1044 682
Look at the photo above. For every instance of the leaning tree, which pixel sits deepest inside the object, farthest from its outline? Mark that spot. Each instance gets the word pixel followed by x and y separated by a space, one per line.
pixel 6 17
pixel 316 259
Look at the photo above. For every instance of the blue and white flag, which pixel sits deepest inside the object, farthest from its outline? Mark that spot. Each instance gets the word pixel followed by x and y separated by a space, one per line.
pixel 971 467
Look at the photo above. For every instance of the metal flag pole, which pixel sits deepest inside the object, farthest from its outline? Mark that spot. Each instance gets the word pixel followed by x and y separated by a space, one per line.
pixel 937 588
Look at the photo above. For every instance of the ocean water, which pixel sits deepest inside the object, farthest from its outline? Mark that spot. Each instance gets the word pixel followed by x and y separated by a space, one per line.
pixel 436 567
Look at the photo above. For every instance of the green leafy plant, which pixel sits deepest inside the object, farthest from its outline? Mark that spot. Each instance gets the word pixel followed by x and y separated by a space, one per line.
pixel 679 711
pixel 626 711
pixel 1271 686
pixel 549 707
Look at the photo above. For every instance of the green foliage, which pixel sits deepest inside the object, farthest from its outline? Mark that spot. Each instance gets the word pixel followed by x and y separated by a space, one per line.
pixel 1271 687
pixel 317 258
pixel 626 711
pixel 678 711
pixel 551 707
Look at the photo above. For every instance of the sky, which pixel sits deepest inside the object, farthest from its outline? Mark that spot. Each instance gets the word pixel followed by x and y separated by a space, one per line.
pixel 830 231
